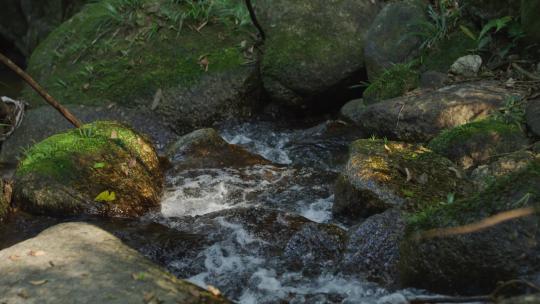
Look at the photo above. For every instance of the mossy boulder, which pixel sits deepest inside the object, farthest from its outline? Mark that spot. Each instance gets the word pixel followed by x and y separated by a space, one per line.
pixel 25 23
pixel 423 114
pixel 530 20
pixel 44 121
pixel 312 46
pixel 389 41
pixel 473 263
pixel 393 82
pixel 205 148
pixel 193 65
pixel 103 168
pixel 479 142
pixel 381 174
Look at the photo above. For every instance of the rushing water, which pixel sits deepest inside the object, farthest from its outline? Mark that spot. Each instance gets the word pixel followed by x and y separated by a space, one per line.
pixel 237 258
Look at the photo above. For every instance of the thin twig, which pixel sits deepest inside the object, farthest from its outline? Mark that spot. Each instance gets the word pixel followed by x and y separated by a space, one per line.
pixel 48 98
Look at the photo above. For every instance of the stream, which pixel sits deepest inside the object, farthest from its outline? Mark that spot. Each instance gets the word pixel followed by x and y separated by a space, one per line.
pixel 260 234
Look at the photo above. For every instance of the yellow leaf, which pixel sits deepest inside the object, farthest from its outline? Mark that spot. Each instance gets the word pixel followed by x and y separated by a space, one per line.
pixel 38 283
pixel 106 196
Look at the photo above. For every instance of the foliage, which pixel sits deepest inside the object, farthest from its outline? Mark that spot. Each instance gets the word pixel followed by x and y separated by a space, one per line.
pixel 441 21
pixel 513 111
pixel 484 37
pixel 393 82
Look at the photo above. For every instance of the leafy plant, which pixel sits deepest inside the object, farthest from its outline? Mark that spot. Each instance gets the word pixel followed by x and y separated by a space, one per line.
pixel 513 111
pixel 441 21
pixel 484 37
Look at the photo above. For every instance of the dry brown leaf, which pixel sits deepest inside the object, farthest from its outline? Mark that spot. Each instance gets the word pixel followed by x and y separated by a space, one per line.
pixel 204 63
pixel 38 282
pixel 36 253
pixel 14 257
pixel 213 290
pixel 132 163
pixel 387 148
pixel 114 134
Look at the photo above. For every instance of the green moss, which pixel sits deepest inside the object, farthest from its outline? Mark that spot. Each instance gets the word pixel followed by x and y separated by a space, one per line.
pixel 111 52
pixel 447 51
pixel 451 137
pixel 393 82
pixel 54 156
pixel 507 193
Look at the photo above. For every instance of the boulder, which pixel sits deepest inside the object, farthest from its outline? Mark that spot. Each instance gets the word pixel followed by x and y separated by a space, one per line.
pixel 485 175
pixel 191 71
pixel 205 148
pixel 389 41
pixel 381 175
pixel 373 248
pixel 25 23
pixel 532 116
pixel 433 80
pixel 392 82
pixel 304 57
pixel 103 168
pixel 529 19
pixel 422 115
pixel 44 121
pixel 82 263
pixel 473 263
pixel 479 142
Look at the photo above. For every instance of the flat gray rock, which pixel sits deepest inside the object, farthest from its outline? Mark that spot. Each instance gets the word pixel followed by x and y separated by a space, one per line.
pixel 80 263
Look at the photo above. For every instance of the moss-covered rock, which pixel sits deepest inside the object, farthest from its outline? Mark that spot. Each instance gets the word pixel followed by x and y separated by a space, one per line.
pixel 393 82
pixel 530 20
pixel 476 261
pixel 382 174
pixel 479 142
pixel 103 168
pixel 444 53
pixel 312 45
pixel 193 65
pixel 423 114
pixel 389 41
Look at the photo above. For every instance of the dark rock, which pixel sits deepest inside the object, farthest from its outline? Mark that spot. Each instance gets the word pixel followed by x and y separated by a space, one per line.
pixel 191 79
pixel 479 142
pixel 351 110
pixel 205 148
pixel 44 121
pixel 389 41
pixel 80 262
pixel 373 248
pixel 473 263
pixel 433 80
pixel 381 175
pixel 303 55
pixel 69 173
pixel 532 115
pixel 422 115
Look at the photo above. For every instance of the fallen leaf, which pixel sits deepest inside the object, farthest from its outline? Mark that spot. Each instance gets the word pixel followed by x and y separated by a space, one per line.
pixel 387 148
pixel 38 282
pixel 204 62
pixel 409 175
pixel 36 253
pixel 86 86
pixel 105 196
pixel 99 165
pixel 132 163
pixel 114 134
pixel 213 290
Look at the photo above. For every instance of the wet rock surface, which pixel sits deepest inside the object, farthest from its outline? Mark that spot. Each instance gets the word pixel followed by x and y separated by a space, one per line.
pixel 420 117
pixel 103 168
pixel 80 262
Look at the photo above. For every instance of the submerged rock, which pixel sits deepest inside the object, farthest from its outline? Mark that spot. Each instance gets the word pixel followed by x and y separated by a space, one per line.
pixel 474 262
pixel 479 142
pixel 389 41
pixel 380 175
pixel 44 121
pixel 421 116
pixel 103 168
pixel 82 263
pixel 304 56
pixel 373 248
pixel 192 71
pixel 205 148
